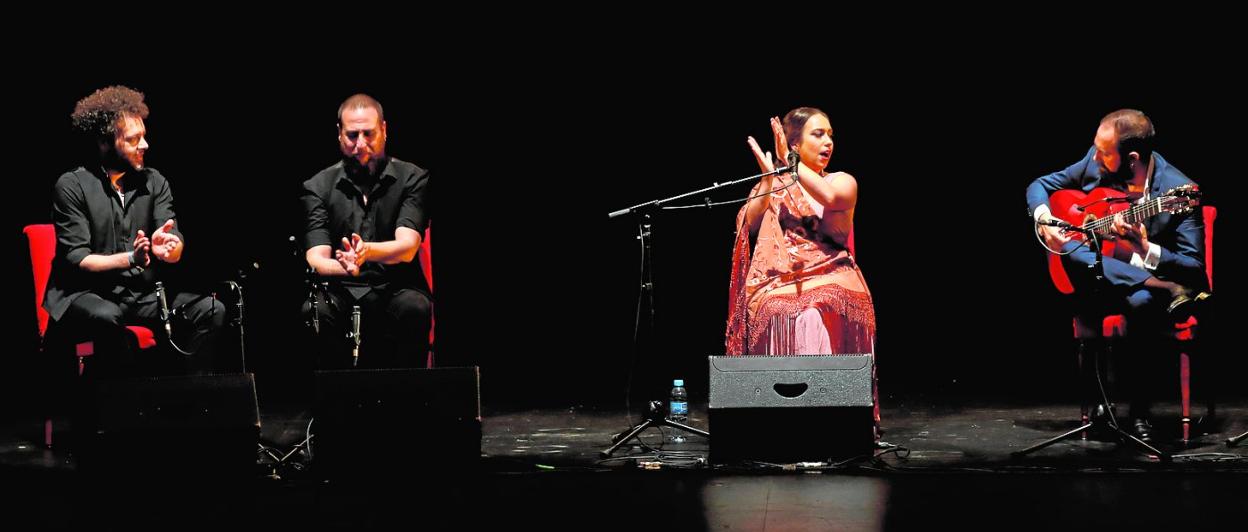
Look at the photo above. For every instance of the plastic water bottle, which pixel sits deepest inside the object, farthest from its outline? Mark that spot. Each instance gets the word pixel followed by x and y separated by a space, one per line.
pixel 678 409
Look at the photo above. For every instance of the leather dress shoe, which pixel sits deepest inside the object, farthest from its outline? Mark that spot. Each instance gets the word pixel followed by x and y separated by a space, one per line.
pixel 1143 429
pixel 1184 305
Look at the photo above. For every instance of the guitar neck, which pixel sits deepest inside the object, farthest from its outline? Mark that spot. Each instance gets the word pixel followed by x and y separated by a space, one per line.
pixel 1135 214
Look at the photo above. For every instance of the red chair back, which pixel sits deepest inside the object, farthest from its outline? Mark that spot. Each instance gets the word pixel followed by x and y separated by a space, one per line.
pixel 426 262
pixel 1211 214
pixel 426 266
pixel 42 240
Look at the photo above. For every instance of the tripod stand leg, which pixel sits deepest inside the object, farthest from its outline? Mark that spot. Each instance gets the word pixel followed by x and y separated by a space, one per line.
pixel 1231 442
pixel 628 435
pixel 1141 444
pixel 1123 435
pixel 303 444
pixel 685 428
pixel 1052 441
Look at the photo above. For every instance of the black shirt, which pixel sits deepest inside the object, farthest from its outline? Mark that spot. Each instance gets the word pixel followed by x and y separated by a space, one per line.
pixel 90 218
pixel 335 206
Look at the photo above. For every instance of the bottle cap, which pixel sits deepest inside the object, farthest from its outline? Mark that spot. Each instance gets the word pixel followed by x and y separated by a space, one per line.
pixel 678 382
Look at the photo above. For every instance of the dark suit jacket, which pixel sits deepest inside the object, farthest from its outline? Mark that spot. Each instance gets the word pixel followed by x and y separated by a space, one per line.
pixel 1181 236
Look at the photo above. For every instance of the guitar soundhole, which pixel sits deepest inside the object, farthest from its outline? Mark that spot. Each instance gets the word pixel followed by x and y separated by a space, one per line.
pixel 790 391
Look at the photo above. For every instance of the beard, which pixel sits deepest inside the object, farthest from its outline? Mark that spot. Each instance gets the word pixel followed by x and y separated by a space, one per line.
pixel 1122 174
pixel 354 167
pixel 117 161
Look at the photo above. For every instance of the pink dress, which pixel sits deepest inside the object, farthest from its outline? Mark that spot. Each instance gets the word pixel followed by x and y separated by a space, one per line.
pixel 827 310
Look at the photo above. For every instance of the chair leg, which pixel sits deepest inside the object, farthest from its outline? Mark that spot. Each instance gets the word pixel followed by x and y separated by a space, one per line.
pixel 83 350
pixel 1080 354
pixel 1185 394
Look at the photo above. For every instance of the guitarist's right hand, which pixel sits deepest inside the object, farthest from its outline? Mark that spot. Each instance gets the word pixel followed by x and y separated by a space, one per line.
pixel 1054 237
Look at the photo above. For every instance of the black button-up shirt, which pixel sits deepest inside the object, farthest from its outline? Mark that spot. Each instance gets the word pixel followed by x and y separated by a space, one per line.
pixel 335 206
pixel 90 218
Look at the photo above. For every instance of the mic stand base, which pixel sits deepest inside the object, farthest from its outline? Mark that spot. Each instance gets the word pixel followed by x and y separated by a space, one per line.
pixel 283 461
pixel 1103 421
pixel 654 419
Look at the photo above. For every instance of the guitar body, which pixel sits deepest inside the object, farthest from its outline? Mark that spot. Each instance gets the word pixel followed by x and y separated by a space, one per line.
pixel 1079 208
pixel 1094 211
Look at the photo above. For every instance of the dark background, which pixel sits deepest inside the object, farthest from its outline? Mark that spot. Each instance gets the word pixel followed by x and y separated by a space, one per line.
pixel 530 146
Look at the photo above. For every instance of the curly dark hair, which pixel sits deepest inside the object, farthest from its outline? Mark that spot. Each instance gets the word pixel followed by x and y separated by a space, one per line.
pixel 98 113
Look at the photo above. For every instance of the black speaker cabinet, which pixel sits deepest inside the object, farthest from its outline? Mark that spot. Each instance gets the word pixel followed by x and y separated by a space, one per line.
pixel 791 409
pixel 372 422
pixel 173 425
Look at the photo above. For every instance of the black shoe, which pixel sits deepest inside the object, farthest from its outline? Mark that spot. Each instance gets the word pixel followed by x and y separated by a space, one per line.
pixel 1143 429
pixel 1184 305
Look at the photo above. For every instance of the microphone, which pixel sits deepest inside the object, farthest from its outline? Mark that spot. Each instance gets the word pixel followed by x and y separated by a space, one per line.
pixel 164 308
pixel 1107 199
pixel 1054 222
pixel 792 159
pixel 355 334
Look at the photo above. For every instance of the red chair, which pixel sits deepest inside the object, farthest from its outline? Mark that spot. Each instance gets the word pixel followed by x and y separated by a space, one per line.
pixel 42 240
pixel 426 266
pixel 1186 334
pixel 1115 326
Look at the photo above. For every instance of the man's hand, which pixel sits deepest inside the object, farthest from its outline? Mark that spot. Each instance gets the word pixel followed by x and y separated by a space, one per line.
pixel 348 257
pixel 1054 237
pixel 142 248
pixel 165 245
pixel 363 250
pixel 1135 236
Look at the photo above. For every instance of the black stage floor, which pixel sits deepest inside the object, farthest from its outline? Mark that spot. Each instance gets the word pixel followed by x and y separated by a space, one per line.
pixel 541 469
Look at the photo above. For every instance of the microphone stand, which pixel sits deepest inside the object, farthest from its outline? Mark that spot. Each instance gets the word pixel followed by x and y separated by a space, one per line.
pixel 655 414
pixel 355 335
pixel 1102 416
pixel 237 288
pixel 165 318
pixel 1235 441
pixel 641 207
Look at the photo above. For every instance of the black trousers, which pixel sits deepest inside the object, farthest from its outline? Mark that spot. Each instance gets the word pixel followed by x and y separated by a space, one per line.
pixel 394 328
pixel 103 318
pixel 1144 357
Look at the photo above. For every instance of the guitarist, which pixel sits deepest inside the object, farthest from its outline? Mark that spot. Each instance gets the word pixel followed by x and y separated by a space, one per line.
pixel 1156 274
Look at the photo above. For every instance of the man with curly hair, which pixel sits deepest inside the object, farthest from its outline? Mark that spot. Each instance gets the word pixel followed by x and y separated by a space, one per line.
pixel 115 231
pixel 365 218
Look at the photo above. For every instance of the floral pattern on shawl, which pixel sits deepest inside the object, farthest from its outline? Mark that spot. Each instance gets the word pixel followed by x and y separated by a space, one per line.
pixel 789 249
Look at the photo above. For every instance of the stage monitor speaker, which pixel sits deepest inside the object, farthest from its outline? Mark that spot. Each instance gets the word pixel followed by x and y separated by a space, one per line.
pixel 208 424
pixel 791 408
pixel 376 421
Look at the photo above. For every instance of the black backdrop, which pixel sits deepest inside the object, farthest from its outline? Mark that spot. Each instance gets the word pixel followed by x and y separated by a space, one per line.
pixel 531 147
